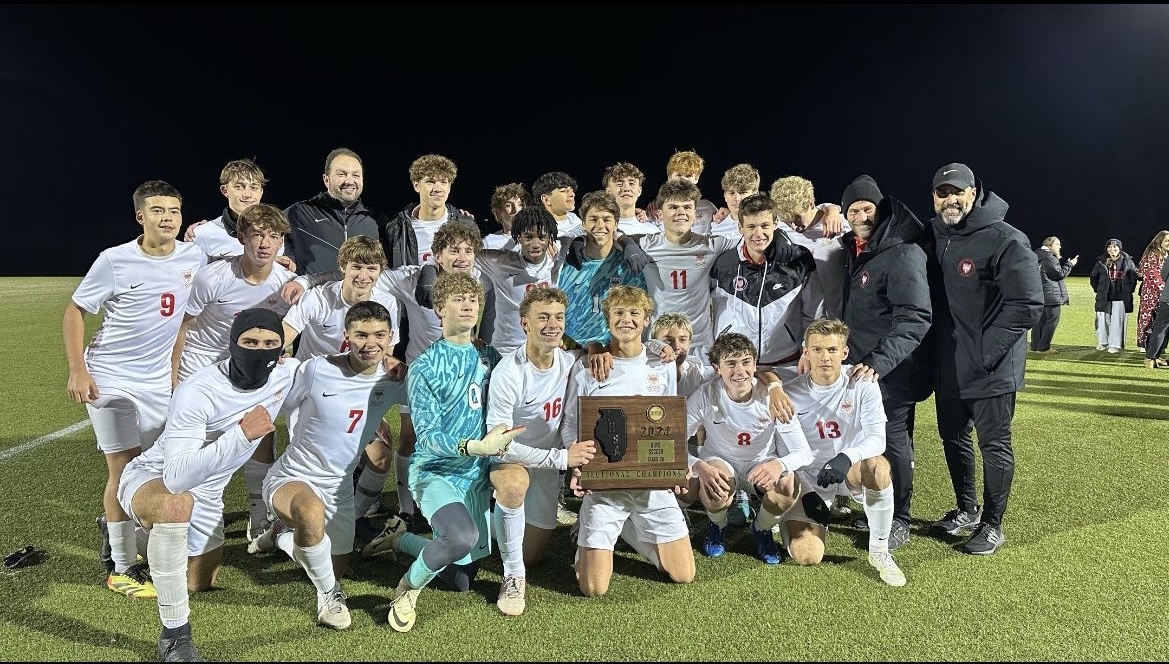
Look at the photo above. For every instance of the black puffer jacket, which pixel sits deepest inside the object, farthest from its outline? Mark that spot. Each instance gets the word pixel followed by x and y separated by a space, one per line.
pixel 398 238
pixel 1051 276
pixel 1112 290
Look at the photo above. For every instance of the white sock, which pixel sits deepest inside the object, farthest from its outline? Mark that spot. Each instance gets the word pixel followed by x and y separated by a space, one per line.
pixel 123 544
pixel 879 511
pixel 284 542
pixel 369 487
pixel 766 520
pixel 402 471
pixel 509 526
pixel 254 473
pixel 318 562
pixel 167 551
pixel 644 548
pixel 718 518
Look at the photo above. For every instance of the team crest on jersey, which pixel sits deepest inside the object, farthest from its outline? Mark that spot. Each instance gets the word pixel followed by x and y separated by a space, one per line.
pixel 272 301
pixel 379 393
pixel 864 279
pixel 966 267
pixel 188 277
pixel 614 281
pixel 700 259
pixel 740 283
pixel 846 407
pixel 653 382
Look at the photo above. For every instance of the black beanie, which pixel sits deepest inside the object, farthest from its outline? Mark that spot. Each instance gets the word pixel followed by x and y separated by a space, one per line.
pixel 1112 242
pixel 864 188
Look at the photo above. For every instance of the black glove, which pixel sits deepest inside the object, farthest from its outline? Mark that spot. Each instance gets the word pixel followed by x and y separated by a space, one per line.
pixel 834 471
pixel 424 291
pixel 635 257
pixel 574 252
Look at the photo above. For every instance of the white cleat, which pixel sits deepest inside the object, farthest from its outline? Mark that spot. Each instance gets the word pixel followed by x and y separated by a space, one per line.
pixel 890 572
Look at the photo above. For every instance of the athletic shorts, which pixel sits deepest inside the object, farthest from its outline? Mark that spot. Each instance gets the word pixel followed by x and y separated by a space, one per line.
pixel 432 492
pixel 657 518
pixel 206 531
pixel 338 509
pixel 125 418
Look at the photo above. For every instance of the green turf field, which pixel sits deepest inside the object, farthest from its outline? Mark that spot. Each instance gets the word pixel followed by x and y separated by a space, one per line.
pixel 1083 574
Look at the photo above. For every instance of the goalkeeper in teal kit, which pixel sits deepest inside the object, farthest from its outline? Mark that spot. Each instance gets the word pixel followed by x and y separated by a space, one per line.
pixel 450 472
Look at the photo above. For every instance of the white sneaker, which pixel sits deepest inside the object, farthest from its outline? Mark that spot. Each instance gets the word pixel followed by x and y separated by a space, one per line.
pixel 394 529
pixel 890 572
pixel 511 600
pixel 266 540
pixel 1113 350
pixel 402 614
pixel 1100 347
pixel 334 612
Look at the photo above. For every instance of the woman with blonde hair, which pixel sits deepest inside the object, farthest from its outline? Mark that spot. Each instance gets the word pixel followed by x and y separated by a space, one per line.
pixel 1055 292
pixel 1151 283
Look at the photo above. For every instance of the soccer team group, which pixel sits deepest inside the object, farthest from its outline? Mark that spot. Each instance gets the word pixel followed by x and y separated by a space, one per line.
pixel 801 336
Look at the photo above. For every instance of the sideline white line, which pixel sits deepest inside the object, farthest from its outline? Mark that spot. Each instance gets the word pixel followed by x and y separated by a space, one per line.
pixel 33 444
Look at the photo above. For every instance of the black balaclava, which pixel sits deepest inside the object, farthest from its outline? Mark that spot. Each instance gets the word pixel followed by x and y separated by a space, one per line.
pixel 247 368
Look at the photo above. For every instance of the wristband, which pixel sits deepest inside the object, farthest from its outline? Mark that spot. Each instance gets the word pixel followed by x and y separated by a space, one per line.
pixel 775 386
pixel 463 447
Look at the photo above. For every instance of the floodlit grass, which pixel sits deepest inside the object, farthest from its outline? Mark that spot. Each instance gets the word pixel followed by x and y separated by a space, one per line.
pixel 1081 577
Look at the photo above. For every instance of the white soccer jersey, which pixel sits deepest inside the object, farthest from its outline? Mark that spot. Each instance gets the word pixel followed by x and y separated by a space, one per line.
pixel 319 318
pixel 631 226
pixel 220 293
pixel 679 279
pixel 693 373
pixel 523 395
pixel 144 298
pixel 744 432
pixel 425 327
pixel 728 227
pixel 424 231
pixel 498 241
pixel 511 276
pixel 203 443
pixel 213 239
pixel 570 227
pixel 630 376
pixel 846 416
pixel 338 412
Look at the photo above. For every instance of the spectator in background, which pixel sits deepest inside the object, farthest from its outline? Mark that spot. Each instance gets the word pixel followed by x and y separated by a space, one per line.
pixel 1055 292
pixel 1157 335
pixel 1114 278
pixel 1149 272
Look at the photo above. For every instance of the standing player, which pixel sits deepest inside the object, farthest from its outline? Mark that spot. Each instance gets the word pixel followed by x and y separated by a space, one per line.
pixel 744 450
pixel 122 379
pixel 844 422
pixel 341 399
pixel 175 489
pixel 220 292
pixel 650 520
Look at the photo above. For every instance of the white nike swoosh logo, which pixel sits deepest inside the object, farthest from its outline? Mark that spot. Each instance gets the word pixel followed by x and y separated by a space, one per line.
pixel 317 221
pixel 952 170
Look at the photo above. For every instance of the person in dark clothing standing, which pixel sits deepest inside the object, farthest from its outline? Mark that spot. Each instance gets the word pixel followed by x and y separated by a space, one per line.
pixel 1055 292
pixel 1114 278
pixel 317 226
pixel 886 304
pixel 987 295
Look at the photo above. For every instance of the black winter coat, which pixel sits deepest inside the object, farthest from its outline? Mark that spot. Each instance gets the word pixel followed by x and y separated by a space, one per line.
pixel 1109 290
pixel 1051 276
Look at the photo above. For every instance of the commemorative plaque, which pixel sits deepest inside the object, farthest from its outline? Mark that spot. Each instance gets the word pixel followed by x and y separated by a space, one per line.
pixel 641 442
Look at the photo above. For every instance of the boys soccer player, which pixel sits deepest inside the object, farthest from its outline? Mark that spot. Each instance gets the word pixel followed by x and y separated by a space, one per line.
pixel 121 377
pixel 844 422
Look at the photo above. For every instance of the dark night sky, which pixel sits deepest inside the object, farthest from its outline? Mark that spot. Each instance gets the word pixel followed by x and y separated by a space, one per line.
pixel 1060 109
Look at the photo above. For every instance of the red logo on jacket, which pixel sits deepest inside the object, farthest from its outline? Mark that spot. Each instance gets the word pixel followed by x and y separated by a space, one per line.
pixel 966 267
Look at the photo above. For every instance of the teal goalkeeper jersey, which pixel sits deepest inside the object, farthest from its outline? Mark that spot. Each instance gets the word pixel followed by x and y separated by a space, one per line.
pixel 447 387
pixel 586 287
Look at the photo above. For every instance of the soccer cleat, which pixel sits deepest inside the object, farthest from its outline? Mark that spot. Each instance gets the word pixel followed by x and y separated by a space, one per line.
pixel 955 521
pixel 179 648
pixel 890 572
pixel 511 600
pixel 715 543
pixel 266 541
pixel 333 612
pixel 402 614
pixel 365 530
pixel 564 516
pixel 257 528
pixel 106 556
pixel 740 511
pixel 394 529
pixel 134 583
pixel 899 535
pixel 415 522
pixel 985 541
pixel 841 509
pixel 765 547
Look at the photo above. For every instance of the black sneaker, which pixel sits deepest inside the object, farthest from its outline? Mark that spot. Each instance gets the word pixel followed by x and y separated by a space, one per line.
pixel 955 521
pixel 985 541
pixel 178 648
pixel 899 535
pixel 106 556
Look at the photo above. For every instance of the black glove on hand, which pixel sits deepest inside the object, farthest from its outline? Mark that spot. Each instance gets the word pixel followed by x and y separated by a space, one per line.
pixel 574 252
pixel 424 291
pixel 635 257
pixel 834 471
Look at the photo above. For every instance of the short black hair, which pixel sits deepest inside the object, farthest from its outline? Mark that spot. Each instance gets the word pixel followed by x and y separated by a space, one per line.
pixel 550 182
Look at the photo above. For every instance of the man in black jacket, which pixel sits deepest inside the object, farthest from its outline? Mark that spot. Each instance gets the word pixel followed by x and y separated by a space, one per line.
pixel 318 225
pixel 987 295
pixel 886 304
